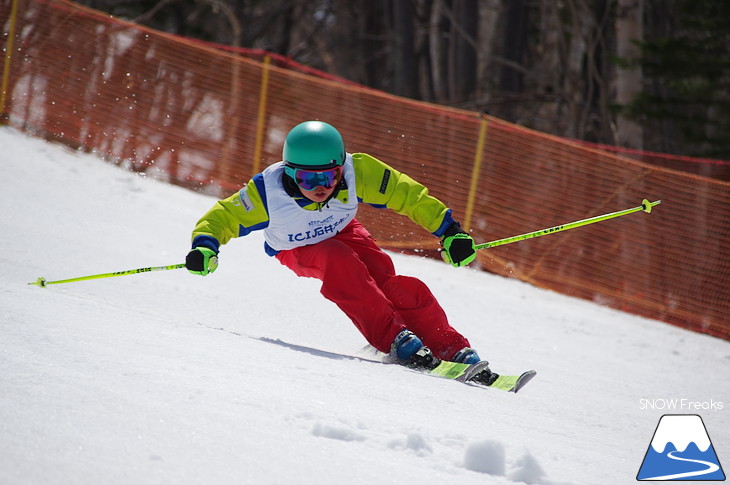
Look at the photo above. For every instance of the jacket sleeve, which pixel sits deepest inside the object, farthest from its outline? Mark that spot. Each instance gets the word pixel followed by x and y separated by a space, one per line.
pixel 235 216
pixel 382 186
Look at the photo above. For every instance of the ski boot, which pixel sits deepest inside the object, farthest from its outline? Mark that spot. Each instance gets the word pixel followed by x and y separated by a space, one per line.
pixel 467 355
pixel 410 352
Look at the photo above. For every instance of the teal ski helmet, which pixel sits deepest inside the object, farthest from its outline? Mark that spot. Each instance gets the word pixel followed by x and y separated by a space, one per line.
pixel 314 145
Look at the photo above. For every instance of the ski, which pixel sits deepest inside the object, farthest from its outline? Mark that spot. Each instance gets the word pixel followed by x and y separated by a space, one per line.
pixel 513 383
pixel 471 374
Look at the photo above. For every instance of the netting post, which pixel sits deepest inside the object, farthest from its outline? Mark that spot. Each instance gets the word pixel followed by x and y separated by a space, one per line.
pixel 8 58
pixel 261 121
pixel 476 169
pixel 224 166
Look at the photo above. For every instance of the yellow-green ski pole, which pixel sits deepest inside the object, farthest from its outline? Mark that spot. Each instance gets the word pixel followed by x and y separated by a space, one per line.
pixel 645 206
pixel 42 281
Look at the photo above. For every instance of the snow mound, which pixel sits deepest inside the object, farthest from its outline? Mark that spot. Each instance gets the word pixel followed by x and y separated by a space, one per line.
pixel 528 470
pixel 486 456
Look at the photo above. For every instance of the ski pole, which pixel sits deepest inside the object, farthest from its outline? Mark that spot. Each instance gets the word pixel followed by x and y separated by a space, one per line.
pixel 42 281
pixel 645 206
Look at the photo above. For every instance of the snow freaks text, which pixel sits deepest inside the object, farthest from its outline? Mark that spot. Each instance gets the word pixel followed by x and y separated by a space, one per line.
pixel 680 405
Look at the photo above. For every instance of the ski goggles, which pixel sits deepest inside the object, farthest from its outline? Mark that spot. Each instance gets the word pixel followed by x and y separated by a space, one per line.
pixel 310 179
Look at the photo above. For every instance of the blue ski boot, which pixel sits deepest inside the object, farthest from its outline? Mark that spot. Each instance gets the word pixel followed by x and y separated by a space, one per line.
pixel 411 352
pixel 467 355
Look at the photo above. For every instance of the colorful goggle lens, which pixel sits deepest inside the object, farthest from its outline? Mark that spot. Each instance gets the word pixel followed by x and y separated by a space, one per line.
pixel 310 179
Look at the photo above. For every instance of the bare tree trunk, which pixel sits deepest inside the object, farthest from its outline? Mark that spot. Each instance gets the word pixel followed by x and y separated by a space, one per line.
pixel 629 30
pixel 515 42
pixel 598 124
pixel 574 85
pixel 489 13
pixel 404 54
pixel 466 14
pixel 548 69
pixel 437 47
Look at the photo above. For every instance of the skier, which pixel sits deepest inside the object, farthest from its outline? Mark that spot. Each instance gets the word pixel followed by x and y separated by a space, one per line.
pixel 306 206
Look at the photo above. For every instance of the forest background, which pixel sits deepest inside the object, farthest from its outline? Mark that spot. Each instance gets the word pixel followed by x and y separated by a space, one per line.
pixel 642 74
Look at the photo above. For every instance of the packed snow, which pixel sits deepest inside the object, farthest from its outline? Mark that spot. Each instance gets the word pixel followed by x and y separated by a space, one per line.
pixel 239 377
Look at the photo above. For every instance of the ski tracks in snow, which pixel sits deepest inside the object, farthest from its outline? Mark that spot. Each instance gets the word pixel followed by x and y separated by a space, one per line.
pixel 490 457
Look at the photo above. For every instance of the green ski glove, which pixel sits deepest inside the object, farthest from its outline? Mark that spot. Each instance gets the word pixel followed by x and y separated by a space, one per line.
pixel 201 261
pixel 458 246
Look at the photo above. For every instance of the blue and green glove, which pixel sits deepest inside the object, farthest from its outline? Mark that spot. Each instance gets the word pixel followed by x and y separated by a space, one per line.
pixel 458 246
pixel 201 261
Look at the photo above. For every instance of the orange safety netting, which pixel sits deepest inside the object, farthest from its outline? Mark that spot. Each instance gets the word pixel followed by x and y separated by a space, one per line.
pixel 208 118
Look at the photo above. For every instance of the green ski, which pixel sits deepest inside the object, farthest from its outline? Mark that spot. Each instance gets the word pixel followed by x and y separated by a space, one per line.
pixel 479 374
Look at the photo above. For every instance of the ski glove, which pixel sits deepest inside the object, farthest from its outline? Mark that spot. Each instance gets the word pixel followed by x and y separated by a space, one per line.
pixel 458 246
pixel 201 261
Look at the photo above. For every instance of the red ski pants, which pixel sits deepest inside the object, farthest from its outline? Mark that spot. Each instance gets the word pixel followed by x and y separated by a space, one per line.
pixel 360 279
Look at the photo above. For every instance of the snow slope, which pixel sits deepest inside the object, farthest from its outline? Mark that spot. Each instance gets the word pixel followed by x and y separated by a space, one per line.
pixel 164 378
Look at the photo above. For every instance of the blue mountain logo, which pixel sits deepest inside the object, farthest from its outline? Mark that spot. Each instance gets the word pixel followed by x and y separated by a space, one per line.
pixel 681 450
